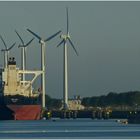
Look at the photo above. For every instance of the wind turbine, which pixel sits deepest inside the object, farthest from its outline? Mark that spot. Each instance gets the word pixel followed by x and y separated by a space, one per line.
pixel 23 47
pixel 43 58
pixel 66 38
pixel 6 52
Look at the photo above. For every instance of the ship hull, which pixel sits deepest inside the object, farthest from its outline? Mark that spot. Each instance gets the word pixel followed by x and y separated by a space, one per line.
pixel 20 112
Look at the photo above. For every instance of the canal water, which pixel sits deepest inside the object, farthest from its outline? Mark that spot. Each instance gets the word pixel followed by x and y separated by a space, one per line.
pixel 68 128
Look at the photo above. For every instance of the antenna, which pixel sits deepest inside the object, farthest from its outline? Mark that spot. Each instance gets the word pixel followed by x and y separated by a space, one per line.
pixel 65 39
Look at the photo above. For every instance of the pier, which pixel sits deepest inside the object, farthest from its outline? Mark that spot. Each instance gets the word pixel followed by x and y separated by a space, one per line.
pixel 91 114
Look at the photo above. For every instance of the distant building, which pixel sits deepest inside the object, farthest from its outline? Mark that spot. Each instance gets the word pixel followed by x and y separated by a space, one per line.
pixel 75 104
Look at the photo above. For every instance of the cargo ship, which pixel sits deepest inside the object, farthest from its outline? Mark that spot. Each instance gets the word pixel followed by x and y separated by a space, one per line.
pixel 17 99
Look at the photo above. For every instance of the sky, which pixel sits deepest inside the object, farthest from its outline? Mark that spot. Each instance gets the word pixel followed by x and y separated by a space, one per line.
pixel 105 34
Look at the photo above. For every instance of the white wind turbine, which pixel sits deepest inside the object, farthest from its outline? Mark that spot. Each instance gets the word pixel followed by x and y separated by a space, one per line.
pixel 23 47
pixel 65 39
pixel 6 52
pixel 43 62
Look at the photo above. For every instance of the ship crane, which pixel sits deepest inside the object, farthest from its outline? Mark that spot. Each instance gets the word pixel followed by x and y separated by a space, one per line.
pixel 29 83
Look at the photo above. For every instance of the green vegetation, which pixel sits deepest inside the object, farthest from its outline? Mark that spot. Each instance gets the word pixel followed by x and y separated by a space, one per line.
pixel 131 98
pixel 53 103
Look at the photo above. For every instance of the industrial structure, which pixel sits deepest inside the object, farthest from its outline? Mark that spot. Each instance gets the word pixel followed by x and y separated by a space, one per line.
pixel 65 39
pixel 13 79
pixel 43 61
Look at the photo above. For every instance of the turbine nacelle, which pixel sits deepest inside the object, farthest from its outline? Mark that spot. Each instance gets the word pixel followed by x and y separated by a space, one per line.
pixel 22 42
pixel 42 42
pixel 65 37
pixel 20 46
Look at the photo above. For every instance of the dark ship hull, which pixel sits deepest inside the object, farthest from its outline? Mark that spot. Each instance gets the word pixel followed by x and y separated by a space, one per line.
pixel 23 109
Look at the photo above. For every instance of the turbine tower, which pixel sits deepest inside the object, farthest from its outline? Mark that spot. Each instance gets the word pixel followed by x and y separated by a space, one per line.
pixel 23 47
pixel 43 58
pixel 65 39
pixel 6 52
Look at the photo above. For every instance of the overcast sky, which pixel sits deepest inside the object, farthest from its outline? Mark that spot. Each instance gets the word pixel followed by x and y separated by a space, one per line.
pixel 106 35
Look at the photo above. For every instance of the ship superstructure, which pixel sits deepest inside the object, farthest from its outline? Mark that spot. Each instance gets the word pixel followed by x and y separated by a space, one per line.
pixel 12 81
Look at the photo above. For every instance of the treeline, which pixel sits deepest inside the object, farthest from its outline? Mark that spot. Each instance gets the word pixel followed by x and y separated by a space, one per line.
pixel 51 103
pixel 131 98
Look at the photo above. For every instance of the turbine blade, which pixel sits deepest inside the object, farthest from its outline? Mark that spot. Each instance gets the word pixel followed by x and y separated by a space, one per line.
pixel 73 46
pixel 19 37
pixel 29 42
pixel 3 42
pixel 67 20
pixel 3 50
pixel 60 43
pixel 11 46
pixel 52 36
pixel 37 36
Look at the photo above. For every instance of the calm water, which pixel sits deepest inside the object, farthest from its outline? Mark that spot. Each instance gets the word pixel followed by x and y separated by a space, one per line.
pixel 79 128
